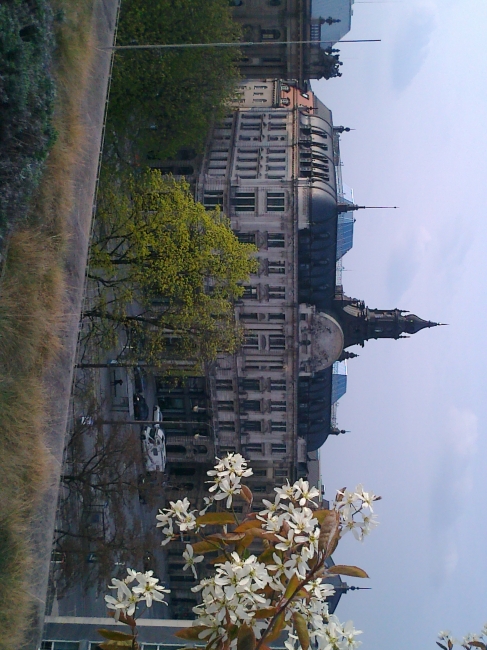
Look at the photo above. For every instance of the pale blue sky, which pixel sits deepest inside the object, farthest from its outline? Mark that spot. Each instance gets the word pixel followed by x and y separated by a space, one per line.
pixel 416 408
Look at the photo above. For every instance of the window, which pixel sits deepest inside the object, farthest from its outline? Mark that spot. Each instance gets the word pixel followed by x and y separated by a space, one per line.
pixel 275 240
pixel 273 126
pixel 260 86
pixel 270 35
pixel 275 202
pixel 224 384
pixel 271 59
pixel 273 138
pixel 250 126
pixel 251 425
pixel 247 137
pixel 260 101
pixel 276 267
pixel 244 201
pixel 251 342
pixel 252 405
pixel 248 166
pixel 274 177
pixel 225 405
pixel 249 384
pixel 245 237
pixel 283 473
pixel 255 448
pixel 276 159
pixel 276 168
pixel 278 406
pixel 245 152
pixel 278 449
pixel 279 316
pixel 212 198
pixel 277 342
pixel 278 384
pixel 278 426
pixel 277 293
pixel 250 293
pixel 227 449
pixel 260 472
pixel 249 316
pixel 227 426
pixel 248 176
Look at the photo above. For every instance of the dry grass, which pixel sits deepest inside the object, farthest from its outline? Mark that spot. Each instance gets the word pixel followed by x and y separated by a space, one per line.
pixel 31 300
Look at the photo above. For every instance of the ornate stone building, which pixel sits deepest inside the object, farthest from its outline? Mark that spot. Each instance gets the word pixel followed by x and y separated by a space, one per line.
pixel 273 166
pixel 277 29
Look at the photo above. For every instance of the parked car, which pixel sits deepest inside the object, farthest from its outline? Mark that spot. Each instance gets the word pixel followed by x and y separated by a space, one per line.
pixel 153 448
pixel 157 414
pixel 140 382
pixel 141 410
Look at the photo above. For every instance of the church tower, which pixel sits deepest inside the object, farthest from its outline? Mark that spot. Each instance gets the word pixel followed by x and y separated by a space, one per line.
pixel 359 323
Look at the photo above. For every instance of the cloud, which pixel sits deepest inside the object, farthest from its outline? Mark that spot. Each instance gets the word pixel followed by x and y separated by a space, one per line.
pixel 404 263
pixel 451 486
pixel 411 47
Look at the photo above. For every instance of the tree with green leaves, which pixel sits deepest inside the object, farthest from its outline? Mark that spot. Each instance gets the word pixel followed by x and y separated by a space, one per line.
pixel 161 101
pixel 165 271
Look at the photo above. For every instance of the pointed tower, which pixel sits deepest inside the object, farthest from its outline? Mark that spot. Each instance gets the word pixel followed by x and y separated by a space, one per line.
pixel 359 323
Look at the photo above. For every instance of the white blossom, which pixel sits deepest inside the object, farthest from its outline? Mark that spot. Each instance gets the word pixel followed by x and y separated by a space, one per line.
pixel 191 560
pixel 148 589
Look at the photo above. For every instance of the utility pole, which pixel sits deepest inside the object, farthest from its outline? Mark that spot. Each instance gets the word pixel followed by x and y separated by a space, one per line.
pixel 237 44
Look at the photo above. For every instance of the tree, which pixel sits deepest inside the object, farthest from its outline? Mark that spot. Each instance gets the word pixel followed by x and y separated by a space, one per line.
pixel 97 525
pixel 270 568
pixel 162 101
pixel 166 271
pixel 469 642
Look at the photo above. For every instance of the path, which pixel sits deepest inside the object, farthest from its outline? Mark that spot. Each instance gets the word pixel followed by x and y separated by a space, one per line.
pixel 60 375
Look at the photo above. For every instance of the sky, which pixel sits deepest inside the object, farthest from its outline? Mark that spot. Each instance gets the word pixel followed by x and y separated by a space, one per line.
pixel 416 408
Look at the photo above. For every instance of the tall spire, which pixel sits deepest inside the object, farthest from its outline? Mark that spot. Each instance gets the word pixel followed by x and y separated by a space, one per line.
pixel 349 207
pixel 360 323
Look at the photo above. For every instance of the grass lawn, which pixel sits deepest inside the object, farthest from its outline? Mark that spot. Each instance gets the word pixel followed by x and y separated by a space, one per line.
pixel 31 298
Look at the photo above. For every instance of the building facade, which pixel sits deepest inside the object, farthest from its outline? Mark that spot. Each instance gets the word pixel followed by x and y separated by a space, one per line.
pixel 291 39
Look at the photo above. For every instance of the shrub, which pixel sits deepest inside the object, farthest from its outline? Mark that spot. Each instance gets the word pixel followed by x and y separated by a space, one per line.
pixel 26 102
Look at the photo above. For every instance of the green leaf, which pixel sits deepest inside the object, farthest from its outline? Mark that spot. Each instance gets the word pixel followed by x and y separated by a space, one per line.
pixel 245 638
pixel 276 628
pixel 216 518
pixel 247 524
pixel 267 612
pixel 292 586
pixel 205 547
pixel 343 570
pixel 190 633
pixel 330 532
pixel 247 494
pixel 301 628
pixel 113 635
pixel 226 537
